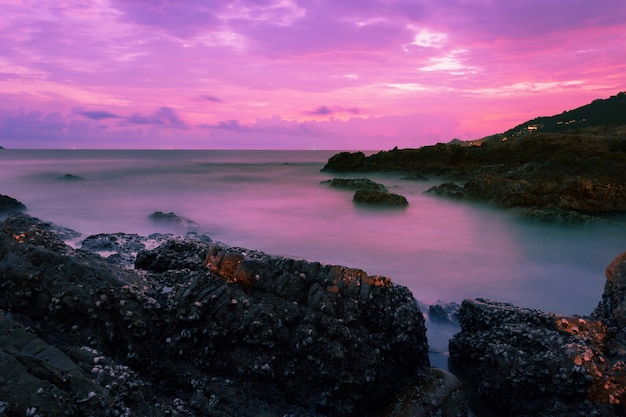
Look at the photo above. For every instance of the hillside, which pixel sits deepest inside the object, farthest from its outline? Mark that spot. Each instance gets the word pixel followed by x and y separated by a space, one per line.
pixel 600 112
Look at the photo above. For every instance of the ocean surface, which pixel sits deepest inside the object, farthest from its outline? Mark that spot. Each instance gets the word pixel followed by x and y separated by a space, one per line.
pixel 273 201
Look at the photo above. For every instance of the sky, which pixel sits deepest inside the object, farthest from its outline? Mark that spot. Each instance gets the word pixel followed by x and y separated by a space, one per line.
pixel 297 74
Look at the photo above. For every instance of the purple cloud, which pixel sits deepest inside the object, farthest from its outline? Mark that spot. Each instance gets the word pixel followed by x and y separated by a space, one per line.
pixel 165 116
pixel 99 115
pixel 325 110
pixel 211 98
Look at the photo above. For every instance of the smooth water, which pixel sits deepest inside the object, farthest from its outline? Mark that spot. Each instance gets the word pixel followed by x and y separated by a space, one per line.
pixel 273 201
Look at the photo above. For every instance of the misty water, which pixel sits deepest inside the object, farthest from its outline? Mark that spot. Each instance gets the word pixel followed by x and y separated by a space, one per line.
pixel 273 201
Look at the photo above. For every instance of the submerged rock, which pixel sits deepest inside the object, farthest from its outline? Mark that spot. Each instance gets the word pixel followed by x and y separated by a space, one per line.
pixel 200 328
pixel 529 363
pixel 380 198
pixel 355 184
pixel 71 177
pixel 172 219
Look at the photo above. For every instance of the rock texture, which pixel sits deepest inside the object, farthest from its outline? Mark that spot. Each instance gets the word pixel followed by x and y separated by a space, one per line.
pixel 380 198
pixel 529 363
pixel 195 328
pixel 9 204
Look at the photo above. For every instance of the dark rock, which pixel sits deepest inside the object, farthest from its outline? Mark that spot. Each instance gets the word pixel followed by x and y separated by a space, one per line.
pixel 218 331
pixel 435 393
pixel 355 184
pixel 172 219
pixel 446 313
pixel 525 362
pixel 122 248
pixel 380 198
pixel 447 189
pixel 71 177
pixel 10 204
pixel 580 171
pixel 345 161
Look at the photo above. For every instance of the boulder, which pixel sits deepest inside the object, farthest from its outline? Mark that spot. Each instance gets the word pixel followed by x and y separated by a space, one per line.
pixel 379 198
pixel 172 219
pixel 9 204
pixel 447 189
pixel 200 328
pixel 524 362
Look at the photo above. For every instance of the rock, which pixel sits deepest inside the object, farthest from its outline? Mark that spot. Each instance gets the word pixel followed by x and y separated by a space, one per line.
pixel 345 161
pixel 437 393
pixel 9 204
pixel 355 184
pixel 172 219
pixel 581 172
pixel 523 362
pixel 447 189
pixel 445 313
pixel 379 198
pixel 71 177
pixel 201 328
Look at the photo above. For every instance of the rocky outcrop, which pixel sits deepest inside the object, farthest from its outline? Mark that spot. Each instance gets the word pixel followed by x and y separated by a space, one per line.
pixel 195 328
pixel 9 204
pixel 580 172
pixel 530 363
pixel 345 161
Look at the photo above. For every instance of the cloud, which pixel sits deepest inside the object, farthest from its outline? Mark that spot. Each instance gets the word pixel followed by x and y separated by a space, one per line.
pixel 210 98
pixel 165 116
pixel 321 110
pixel 325 110
pixel 99 115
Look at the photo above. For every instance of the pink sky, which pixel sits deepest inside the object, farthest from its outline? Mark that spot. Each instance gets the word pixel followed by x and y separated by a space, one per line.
pixel 296 74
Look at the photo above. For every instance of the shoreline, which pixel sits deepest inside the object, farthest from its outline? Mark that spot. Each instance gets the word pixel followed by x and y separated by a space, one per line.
pixel 177 258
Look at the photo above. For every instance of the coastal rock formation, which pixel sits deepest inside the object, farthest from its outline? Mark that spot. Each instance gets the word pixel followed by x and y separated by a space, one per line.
pixel 579 171
pixel 9 204
pixel 196 328
pixel 530 363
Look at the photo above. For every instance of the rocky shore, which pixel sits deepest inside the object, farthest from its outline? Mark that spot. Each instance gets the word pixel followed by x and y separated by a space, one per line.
pixel 524 362
pixel 568 177
pixel 170 326
pixel 166 325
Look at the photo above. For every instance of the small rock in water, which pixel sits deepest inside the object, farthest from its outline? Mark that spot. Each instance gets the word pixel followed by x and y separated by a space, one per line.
pixel 71 177
pixel 380 198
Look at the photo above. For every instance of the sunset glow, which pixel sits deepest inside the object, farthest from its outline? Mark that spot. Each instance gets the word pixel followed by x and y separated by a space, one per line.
pixel 293 74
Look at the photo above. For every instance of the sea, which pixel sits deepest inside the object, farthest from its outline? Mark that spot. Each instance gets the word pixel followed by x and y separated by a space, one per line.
pixel 443 250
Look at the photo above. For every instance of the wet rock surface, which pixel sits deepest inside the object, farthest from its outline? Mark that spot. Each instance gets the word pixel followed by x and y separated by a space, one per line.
pixel 524 362
pixel 195 328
